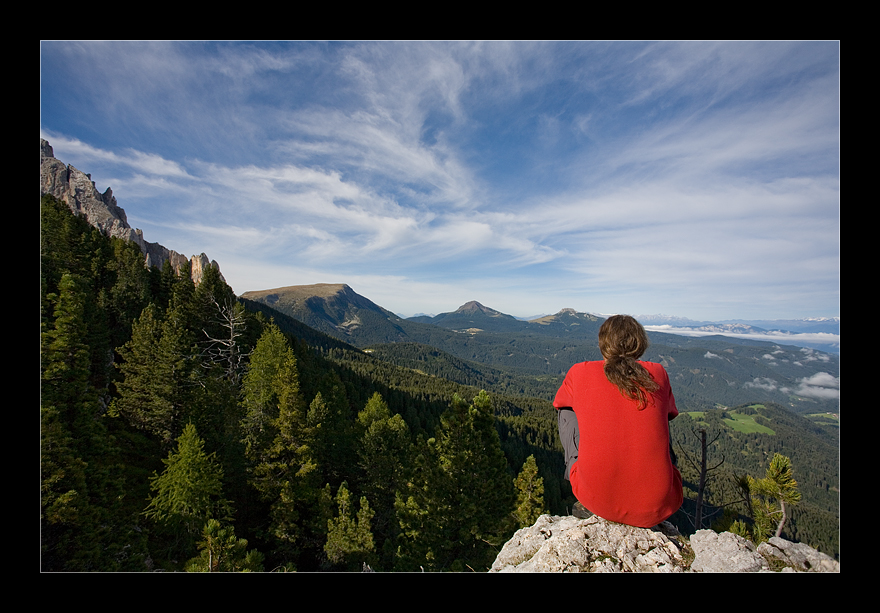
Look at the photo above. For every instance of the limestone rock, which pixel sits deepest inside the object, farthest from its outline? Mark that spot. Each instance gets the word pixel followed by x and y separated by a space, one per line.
pixel 568 544
pixel 799 556
pixel 557 544
pixel 725 552
pixel 78 191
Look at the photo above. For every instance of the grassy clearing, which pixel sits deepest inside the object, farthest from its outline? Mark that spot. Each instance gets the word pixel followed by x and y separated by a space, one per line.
pixel 832 417
pixel 738 422
pixel 747 424
pixel 831 420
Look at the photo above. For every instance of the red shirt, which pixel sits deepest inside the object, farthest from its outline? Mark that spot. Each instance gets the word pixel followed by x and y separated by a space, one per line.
pixel 624 472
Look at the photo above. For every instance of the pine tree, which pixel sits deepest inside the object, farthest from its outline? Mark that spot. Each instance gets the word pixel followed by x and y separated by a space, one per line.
pixel 64 245
pixel 64 503
pixel 129 290
pixel 212 302
pixel 384 451
pixel 64 353
pixel 182 291
pixel 222 551
pixel 259 391
pixel 334 442
pixel 80 484
pixel 384 458
pixel 529 494
pixel 190 489
pixel 772 496
pixel 349 537
pixel 286 476
pixel 86 520
pixel 156 372
pixel 459 504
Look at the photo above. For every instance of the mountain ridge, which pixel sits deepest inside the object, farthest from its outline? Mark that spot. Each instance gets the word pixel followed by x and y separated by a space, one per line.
pixel 334 309
pixel 355 314
pixel 706 371
pixel 76 189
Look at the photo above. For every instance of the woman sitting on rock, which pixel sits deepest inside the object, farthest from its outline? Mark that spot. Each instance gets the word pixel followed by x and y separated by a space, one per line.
pixel 614 424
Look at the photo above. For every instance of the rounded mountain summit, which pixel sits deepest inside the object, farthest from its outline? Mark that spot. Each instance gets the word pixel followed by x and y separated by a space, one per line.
pixel 338 311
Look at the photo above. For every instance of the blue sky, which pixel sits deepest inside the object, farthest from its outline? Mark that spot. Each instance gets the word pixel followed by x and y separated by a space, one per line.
pixel 696 179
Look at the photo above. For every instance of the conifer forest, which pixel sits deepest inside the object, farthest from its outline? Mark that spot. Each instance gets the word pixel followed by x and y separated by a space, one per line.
pixel 185 429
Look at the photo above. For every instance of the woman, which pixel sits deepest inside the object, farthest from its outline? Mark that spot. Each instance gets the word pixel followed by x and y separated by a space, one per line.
pixel 614 425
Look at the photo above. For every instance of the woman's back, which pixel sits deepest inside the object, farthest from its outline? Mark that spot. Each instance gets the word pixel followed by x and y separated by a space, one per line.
pixel 624 472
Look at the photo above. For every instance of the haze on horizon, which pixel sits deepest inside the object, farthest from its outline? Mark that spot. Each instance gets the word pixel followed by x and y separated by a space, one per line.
pixel 698 179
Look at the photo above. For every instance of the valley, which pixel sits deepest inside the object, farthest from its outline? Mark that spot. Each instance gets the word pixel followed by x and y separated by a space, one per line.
pixel 360 382
pixel 755 398
pixel 533 356
pixel 745 428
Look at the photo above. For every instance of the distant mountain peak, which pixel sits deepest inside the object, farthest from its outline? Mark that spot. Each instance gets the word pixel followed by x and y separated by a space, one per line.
pixel 338 294
pixel 475 307
pixel 331 308
pixel 566 316
pixel 322 290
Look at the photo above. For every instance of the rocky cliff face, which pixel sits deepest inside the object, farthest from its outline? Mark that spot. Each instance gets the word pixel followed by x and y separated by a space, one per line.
pixel 570 545
pixel 78 191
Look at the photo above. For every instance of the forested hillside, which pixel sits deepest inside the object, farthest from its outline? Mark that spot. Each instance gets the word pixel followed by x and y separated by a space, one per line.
pixel 319 455
pixel 741 441
pixel 535 355
pixel 312 454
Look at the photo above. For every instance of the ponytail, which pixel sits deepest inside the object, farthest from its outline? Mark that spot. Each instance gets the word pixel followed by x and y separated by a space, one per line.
pixel 622 341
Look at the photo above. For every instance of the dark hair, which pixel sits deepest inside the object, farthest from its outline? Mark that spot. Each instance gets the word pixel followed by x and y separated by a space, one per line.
pixel 622 341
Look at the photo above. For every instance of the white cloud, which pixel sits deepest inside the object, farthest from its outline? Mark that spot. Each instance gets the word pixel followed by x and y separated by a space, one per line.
pixel 813 356
pixel 147 164
pixel 763 383
pixel 820 385
pixel 610 174
pixel 822 379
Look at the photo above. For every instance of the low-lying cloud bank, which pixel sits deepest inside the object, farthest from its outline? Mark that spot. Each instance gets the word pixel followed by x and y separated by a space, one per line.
pixel 799 339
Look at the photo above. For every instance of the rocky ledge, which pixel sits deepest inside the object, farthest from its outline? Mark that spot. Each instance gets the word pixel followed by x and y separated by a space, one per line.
pixel 570 545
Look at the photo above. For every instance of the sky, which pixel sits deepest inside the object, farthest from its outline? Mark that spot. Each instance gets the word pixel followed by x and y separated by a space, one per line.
pixel 694 179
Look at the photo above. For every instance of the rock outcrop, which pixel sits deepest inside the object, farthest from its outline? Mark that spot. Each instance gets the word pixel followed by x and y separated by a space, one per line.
pixel 78 191
pixel 568 544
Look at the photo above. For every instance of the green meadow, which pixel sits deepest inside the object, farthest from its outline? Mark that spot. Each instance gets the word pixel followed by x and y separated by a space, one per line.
pixel 825 419
pixel 738 421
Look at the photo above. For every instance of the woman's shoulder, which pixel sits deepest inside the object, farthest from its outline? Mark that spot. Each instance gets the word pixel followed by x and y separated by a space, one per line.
pixel 591 365
pixel 586 368
pixel 652 365
pixel 654 368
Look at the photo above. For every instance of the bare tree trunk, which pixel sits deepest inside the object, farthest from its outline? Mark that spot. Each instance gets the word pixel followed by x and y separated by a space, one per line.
pixel 781 521
pixel 230 316
pixel 698 516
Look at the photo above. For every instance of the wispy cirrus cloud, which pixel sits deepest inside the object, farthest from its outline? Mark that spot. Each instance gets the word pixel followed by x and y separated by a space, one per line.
pixel 667 177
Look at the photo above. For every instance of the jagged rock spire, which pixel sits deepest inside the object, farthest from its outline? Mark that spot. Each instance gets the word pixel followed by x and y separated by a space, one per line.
pixel 76 189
